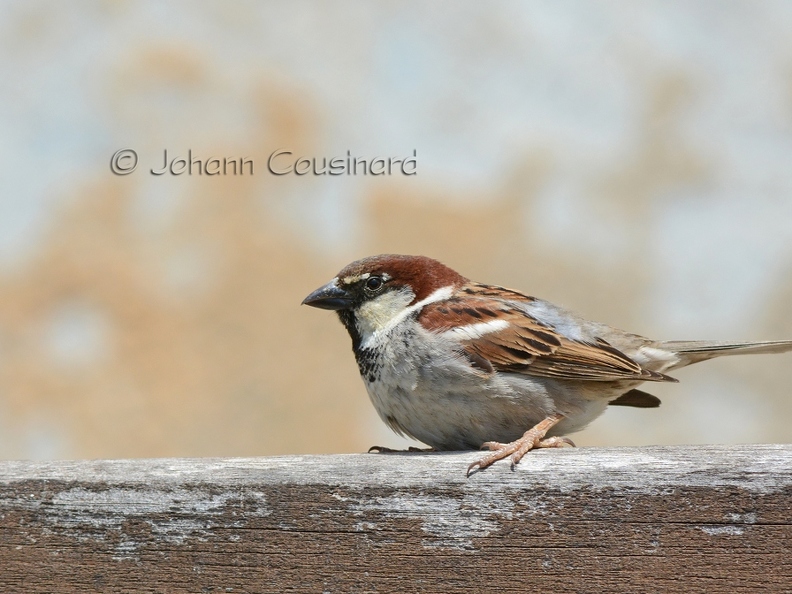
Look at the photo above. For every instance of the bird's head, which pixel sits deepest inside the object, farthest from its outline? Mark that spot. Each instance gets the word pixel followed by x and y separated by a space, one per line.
pixel 372 294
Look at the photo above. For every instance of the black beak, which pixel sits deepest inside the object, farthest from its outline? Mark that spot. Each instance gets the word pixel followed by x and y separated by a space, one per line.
pixel 329 297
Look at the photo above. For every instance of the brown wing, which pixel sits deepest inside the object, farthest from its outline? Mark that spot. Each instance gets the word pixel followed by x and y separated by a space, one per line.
pixel 525 345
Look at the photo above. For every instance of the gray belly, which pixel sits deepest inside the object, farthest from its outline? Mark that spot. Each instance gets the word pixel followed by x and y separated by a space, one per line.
pixel 438 398
pixel 464 413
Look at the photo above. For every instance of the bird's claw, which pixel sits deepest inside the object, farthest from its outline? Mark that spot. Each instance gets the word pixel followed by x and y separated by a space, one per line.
pixel 531 439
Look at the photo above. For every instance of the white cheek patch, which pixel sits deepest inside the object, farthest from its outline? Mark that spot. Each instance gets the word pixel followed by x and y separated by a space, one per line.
pixel 386 311
pixel 474 331
pixel 377 314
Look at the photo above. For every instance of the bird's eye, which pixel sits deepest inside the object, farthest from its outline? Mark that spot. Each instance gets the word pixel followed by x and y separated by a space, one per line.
pixel 374 283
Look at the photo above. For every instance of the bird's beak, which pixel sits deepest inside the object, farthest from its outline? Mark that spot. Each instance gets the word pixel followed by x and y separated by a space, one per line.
pixel 331 296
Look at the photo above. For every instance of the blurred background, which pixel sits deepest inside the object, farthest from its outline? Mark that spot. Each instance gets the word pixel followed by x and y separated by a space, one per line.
pixel 629 160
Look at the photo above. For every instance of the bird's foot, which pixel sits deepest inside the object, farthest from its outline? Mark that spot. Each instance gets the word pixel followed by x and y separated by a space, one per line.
pixel 384 450
pixel 531 439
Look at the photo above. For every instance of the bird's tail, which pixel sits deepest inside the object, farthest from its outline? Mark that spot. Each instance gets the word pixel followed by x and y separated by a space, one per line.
pixel 693 351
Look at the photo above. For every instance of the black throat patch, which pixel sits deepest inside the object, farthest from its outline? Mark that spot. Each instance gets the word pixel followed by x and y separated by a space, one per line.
pixel 368 360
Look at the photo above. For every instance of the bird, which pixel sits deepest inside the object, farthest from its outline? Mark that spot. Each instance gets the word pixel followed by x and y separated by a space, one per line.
pixel 462 365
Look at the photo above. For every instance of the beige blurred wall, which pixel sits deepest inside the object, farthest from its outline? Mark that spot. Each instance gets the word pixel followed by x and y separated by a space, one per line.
pixel 630 160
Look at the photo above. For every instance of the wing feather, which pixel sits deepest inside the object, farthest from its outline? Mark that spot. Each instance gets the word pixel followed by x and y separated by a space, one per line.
pixel 524 344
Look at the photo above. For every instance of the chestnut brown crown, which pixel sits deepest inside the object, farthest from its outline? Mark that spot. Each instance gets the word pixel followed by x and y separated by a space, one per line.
pixel 367 278
pixel 421 274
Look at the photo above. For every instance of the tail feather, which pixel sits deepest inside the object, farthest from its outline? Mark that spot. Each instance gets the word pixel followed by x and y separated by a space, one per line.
pixel 693 351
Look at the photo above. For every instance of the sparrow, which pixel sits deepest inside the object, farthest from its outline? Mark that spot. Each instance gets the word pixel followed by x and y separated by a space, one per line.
pixel 460 365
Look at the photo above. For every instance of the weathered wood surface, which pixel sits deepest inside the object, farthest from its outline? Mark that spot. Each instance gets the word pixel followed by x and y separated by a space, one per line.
pixel 660 519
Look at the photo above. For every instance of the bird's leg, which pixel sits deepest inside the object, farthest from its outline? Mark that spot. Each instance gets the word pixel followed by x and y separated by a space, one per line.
pixel 533 438
pixel 384 450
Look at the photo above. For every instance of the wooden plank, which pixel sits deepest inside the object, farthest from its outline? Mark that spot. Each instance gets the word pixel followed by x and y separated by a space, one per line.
pixel 687 519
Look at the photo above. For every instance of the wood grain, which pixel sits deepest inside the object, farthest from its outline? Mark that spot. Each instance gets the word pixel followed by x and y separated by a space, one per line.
pixel 687 519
